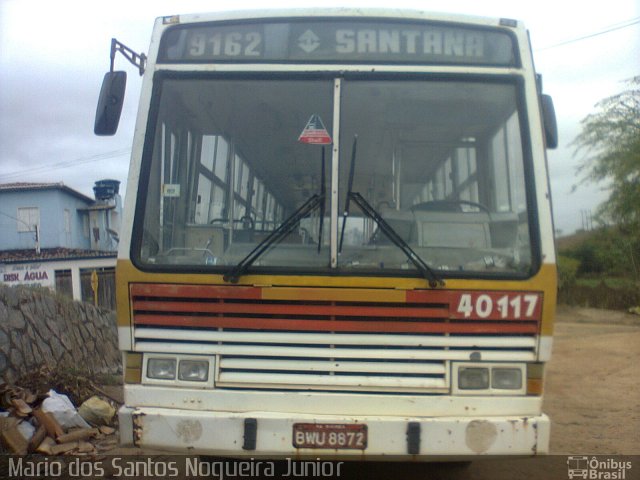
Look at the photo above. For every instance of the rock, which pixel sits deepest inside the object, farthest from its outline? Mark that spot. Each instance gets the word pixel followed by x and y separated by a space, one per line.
pixel 3 362
pixel 5 344
pixel 39 328
pixel 16 319
pixel 97 411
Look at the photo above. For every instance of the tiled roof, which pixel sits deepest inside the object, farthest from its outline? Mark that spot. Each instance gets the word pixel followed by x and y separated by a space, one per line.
pixel 51 254
pixel 29 187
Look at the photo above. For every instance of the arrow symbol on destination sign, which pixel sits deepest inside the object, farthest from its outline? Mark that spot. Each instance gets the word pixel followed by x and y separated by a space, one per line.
pixel 308 41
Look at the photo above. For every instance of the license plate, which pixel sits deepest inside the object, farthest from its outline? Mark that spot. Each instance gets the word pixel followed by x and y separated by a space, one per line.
pixel 347 436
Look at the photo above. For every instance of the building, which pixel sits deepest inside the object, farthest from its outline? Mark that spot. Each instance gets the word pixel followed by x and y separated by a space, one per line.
pixel 54 236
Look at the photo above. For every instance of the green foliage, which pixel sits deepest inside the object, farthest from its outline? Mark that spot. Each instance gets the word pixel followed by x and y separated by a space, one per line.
pixel 611 282
pixel 610 140
pixel 609 251
pixel 567 271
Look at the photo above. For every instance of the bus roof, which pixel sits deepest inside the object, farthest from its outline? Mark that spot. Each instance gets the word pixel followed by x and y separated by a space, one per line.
pixel 387 13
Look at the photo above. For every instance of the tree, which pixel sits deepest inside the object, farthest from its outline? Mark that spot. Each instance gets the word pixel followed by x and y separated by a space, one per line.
pixel 610 137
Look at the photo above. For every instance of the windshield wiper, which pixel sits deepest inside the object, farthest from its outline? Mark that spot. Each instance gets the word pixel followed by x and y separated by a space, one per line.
pixel 274 237
pixel 426 271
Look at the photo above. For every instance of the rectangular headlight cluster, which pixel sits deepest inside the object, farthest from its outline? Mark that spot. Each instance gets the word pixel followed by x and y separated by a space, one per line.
pixel 195 371
pixel 161 368
pixel 488 379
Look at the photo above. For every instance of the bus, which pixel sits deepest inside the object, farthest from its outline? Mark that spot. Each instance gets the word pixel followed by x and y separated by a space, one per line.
pixel 337 237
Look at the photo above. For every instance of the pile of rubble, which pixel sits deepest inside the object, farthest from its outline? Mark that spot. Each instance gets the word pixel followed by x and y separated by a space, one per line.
pixel 35 421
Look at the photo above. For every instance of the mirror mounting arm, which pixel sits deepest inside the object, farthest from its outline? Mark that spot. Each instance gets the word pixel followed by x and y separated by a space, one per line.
pixel 137 59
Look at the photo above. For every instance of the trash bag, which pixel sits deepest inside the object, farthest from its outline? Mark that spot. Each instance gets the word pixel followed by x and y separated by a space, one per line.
pixel 63 411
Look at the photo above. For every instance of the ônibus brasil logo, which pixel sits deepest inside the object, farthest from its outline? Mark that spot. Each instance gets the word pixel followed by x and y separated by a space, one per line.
pixel 596 468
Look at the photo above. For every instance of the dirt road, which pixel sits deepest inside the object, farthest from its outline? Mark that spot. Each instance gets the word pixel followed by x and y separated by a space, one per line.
pixel 592 392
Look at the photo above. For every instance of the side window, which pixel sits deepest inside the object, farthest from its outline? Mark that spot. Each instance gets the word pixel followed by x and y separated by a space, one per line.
pixel 249 195
pixel 466 174
pixel 210 197
pixel 67 220
pixel 505 152
pixel 455 178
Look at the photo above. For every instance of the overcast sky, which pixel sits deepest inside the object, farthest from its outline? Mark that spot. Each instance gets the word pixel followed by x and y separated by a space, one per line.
pixel 53 55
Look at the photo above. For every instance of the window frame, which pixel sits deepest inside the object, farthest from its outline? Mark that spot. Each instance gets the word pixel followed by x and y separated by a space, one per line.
pixel 25 219
pixel 272 211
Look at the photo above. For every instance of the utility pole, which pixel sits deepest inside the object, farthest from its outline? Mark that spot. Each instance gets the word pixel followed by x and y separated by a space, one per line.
pixel 37 229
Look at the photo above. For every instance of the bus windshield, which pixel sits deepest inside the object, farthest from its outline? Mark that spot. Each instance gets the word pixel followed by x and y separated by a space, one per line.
pixel 442 161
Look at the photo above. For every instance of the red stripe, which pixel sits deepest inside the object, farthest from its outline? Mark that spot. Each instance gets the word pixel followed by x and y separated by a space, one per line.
pixel 429 296
pixel 336 325
pixel 295 309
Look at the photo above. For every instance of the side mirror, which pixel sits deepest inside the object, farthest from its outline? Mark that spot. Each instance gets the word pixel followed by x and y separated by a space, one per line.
pixel 110 103
pixel 549 121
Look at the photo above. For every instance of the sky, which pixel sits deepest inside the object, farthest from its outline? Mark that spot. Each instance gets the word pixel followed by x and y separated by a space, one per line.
pixel 53 56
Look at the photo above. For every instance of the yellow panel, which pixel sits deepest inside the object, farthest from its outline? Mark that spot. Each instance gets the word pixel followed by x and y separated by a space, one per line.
pixel 133 360
pixel 132 367
pixel 549 284
pixel 535 386
pixel 535 370
pixel 124 273
pixel 133 375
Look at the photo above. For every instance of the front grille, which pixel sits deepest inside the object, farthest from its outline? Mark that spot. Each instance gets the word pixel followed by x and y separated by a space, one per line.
pixel 323 339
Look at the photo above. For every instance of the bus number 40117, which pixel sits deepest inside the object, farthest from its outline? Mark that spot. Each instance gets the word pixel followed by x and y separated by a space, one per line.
pixel 498 306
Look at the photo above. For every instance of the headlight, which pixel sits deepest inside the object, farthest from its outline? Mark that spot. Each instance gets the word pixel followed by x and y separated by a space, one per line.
pixel 506 378
pixel 161 368
pixel 193 370
pixel 473 378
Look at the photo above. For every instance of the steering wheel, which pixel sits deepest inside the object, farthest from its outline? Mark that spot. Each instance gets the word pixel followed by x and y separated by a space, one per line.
pixel 448 206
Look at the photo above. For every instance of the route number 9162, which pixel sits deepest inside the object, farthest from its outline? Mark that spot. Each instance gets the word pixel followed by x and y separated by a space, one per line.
pixel 231 44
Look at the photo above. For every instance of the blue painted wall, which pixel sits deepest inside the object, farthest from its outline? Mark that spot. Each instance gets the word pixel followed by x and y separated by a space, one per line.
pixel 52 204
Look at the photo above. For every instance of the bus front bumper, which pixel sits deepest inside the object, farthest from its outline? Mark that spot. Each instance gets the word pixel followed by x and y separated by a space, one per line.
pixel 252 434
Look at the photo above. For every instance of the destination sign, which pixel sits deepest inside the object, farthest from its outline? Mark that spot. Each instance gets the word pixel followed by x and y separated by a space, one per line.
pixel 338 41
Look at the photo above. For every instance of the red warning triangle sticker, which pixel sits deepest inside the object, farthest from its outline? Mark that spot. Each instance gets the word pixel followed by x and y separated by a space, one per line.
pixel 315 132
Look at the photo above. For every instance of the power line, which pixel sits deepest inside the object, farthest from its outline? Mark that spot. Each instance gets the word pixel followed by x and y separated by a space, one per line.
pixel 16 219
pixel 66 164
pixel 609 29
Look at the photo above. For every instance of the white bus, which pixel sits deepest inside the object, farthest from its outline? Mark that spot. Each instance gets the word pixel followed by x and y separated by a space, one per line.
pixel 337 236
